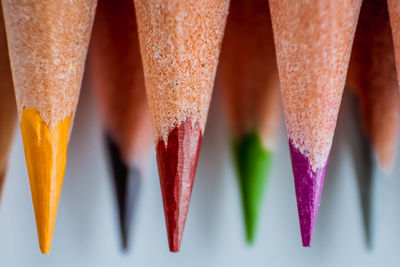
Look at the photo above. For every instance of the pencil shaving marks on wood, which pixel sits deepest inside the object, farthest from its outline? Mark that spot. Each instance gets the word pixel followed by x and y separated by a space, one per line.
pixel 48 43
pixel 313 41
pixel 180 43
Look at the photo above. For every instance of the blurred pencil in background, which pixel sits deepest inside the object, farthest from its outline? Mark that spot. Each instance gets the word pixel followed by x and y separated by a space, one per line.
pixel 8 109
pixel 313 41
pixel 364 163
pixel 117 77
pixel 372 76
pixel 394 14
pixel 179 43
pixel 248 76
pixel 47 42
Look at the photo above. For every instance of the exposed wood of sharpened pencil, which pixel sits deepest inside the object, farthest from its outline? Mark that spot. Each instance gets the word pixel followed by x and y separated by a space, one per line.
pixel 372 75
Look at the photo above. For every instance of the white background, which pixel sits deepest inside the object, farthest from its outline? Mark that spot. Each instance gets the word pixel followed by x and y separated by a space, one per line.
pixel 86 232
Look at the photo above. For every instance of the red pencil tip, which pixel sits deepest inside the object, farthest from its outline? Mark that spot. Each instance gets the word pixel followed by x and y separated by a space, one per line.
pixel 177 162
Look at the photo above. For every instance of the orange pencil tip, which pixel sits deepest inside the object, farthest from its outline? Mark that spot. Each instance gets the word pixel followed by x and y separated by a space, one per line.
pixel 45 155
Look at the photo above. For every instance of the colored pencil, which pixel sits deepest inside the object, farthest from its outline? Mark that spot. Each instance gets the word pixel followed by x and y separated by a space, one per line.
pixel 179 43
pixel 248 76
pixel 313 40
pixel 372 76
pixel 118 83
pixel 8 109
pixel 47 41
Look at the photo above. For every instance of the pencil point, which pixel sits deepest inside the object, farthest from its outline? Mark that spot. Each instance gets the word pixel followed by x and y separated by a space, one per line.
pixel 2 179
pixel 177 162
pixel 365 184
pixel 362 153
pixel 308 186
pixel 365 179
pixel 253 163
pixel 45 155
pixel 127 182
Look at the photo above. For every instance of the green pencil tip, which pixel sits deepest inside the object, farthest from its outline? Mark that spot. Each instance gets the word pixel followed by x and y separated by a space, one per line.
pixel 253 163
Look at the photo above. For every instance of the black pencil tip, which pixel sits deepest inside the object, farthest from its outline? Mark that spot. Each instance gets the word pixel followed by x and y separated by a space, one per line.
pixel 127 182
pixel 362 153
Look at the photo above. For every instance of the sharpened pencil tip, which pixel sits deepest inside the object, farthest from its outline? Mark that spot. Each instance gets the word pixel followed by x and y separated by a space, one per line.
pixel 253 163
pixel 308 187
pixel 45 175
pixel 362 154
pixel 127 183
pixel 2 179
pixel 177 161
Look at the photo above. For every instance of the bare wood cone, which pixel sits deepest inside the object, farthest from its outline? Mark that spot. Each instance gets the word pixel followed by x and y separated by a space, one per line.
pixel 372 75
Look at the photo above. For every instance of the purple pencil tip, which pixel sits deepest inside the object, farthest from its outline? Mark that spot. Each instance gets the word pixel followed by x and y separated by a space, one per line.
pixel 308 186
